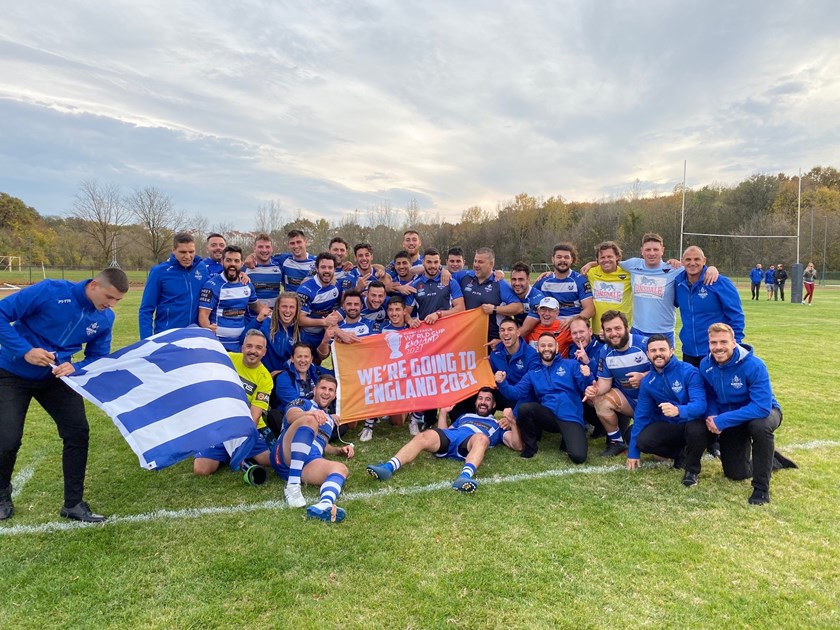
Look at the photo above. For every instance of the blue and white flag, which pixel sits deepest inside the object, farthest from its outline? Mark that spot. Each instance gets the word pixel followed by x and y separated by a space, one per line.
pixel 171 395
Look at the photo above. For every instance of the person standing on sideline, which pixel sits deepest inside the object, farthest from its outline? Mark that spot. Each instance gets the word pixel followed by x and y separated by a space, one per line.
pixel 172 289
pixel 743 411
pixel 780 277
pixel 41 328
pixel 770 281
pixel 756 276
pixel 809 276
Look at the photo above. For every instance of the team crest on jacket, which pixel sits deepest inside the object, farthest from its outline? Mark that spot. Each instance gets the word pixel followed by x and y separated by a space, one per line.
pixel 198 275
pixel 92 329
pixel 676 387
pixel 702 293
pixel 519 364
pixel 736 383
pixel 560 371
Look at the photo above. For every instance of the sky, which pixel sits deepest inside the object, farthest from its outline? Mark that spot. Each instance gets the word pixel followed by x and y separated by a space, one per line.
pixel 326 107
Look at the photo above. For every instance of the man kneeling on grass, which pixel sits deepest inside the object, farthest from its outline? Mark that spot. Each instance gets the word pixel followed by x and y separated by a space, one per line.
pixel 299 453
pixel 468 438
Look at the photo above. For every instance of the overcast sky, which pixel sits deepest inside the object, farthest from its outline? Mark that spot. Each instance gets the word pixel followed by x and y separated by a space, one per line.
pixel 331 106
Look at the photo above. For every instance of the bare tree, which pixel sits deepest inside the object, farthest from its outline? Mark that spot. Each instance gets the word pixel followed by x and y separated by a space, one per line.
pixel 154 211
pixel 413 214
pixel 101 213
pixel 270 219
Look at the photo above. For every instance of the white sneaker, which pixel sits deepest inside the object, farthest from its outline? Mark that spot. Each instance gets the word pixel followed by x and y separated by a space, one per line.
pixel 294 496
pixel 413 426
pixel 366 435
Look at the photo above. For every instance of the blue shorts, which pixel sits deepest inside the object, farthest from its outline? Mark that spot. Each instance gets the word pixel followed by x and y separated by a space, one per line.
pixel 219 452
pixel 453 442
pixel 641 333
pixel 279 463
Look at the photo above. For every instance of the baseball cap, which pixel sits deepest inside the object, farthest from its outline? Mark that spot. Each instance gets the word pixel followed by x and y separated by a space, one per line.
pixel 549 302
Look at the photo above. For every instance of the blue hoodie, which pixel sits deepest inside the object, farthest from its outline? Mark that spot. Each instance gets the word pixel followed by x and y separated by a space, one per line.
pixel 770 276
pixel 703 305
pixel 739 390
pixel 55 315
pixel 756 275
pixel 680 384
pixel 171 295
pixel 558 386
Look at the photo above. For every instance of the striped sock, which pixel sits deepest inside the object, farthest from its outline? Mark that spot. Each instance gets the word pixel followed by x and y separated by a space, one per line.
pixel 615 436
pixel 369 423
pixel 394 464
pixel 330 490
pixel 468 471
pixel 301 445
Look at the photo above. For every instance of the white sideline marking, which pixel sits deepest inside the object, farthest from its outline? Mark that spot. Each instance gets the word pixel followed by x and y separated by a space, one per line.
pixel 23 476
pixel 277 505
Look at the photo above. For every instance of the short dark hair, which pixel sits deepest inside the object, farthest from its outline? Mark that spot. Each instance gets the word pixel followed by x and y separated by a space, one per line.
pixel 294 233
pixel 431 251
pixel 566 247
pixel 455 251
pixel 488 390
pixel 180 238
pixel 521 266
pixel 338 239
pixel 402 254
pixel 375 284
pixel 113 277
pixel 510 319
pixel 329 378
pixel 547 334
pixel 351 293
pixel 232 248
pixel 300 344
pixel 613 314
pixel 215 235
pixel 396 299
pixel 605 245
pixel 658 337
pixel 359 246
pixel 325 256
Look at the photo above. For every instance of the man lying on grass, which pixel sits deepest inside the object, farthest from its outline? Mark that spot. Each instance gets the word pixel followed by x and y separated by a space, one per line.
pixel 299 453
pixel 468 438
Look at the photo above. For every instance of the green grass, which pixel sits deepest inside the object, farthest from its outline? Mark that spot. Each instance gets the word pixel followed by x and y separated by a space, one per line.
pixel 599 548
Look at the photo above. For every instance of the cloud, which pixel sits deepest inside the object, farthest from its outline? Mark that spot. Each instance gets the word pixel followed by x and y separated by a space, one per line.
pixel 331 107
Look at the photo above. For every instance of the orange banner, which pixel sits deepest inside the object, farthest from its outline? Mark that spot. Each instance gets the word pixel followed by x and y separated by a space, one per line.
pixel 413 369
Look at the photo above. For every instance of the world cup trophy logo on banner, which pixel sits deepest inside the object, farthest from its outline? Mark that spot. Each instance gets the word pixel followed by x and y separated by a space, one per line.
pixel 393 340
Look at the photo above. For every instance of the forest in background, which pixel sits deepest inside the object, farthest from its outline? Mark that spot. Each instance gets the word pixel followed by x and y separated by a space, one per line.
pixel 102 219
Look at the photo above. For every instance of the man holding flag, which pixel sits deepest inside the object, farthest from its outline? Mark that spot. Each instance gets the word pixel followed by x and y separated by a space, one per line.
pixel 41 328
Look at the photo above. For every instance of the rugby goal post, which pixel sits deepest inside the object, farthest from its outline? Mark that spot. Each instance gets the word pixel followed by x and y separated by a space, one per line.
pixel 8 263
pixel 540 267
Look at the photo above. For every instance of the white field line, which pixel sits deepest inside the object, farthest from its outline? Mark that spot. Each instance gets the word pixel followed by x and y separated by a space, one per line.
pixel 22 477
pixel 278 505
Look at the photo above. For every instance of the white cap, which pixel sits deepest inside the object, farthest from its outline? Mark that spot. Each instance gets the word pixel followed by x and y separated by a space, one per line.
pixel 549 302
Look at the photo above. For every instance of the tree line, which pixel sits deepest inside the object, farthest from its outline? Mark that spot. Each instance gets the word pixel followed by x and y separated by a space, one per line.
pixel 104 222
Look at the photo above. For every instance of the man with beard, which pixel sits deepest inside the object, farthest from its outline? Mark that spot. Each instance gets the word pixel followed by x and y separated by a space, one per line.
pixel 403 276
pixel 224 302
pixel 621 369
pixel 353 326
pixel 520 282
pixel 258 385
pixel 298 456
pixel 558 385
pixel 375 305
pixel 670 412
pixel 780 278
pixel 467 439
pixel 319 298
pixel 264 270
pixel 433 300
pixel 586 349
pixel 411 244
pixel 571 290
pixel 743 411
pixel 215 248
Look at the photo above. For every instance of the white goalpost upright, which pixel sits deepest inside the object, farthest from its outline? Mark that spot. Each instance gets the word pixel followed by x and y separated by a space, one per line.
pixel 796 268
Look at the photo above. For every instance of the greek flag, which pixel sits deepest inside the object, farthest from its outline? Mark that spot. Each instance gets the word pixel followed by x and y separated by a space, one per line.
pixel 171 395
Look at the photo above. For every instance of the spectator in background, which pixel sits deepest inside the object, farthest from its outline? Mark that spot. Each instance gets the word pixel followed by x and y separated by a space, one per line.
pixel 756 276
pixel 781 277
pixel 809 277
pixel 770 281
